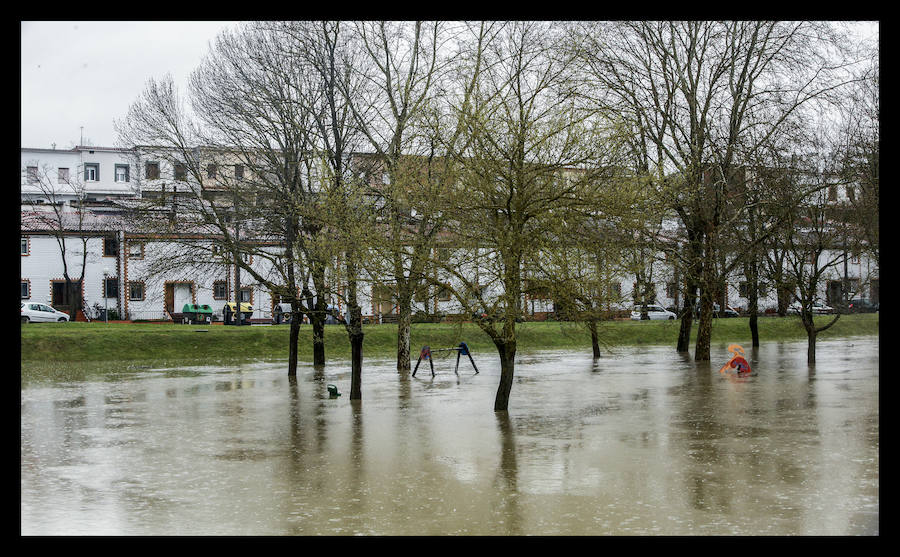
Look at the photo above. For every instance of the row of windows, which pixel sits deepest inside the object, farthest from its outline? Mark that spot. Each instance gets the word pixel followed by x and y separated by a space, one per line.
pixel 122 173
pixel 136 290
pixel 151 171
pixel 110 247
pixel 110 290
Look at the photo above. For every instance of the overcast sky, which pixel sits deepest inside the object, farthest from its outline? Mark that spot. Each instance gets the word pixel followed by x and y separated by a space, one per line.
pixel 87 73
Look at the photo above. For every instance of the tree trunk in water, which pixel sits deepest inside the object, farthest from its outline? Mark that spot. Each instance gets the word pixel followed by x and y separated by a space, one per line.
pixel 704 332
pixel 595 341
pixel 356 355
pixel 687 321
pixel 507 367
pixel 404 319
pixel 754 326
pixel 753 308
pixel 687 316
pixel 811 333
pixel 708 287
pixel 690 294
pixel 293 339
pixel 811 348
pixel 318 328
pixel 317 316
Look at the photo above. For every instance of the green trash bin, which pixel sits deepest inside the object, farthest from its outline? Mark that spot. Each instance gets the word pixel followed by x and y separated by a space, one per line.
pixel 204 313
pixel 194 313
pixel 189 313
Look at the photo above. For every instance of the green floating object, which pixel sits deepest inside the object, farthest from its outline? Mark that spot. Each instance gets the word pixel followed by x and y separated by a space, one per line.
pixel 332 391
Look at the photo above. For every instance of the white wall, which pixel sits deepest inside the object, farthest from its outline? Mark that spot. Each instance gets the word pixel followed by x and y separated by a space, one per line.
pixel 48 161
pixel 44 264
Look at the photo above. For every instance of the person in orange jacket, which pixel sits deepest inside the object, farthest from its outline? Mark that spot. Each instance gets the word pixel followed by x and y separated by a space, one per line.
pixel 737 361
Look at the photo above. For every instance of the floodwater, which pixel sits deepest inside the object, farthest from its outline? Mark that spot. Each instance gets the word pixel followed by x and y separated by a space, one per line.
pixel 639 442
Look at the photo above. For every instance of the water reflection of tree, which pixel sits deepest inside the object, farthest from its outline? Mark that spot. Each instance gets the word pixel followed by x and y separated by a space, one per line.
pixel 507 476
pixel 308 438
pixel 358 490
pixel 706 469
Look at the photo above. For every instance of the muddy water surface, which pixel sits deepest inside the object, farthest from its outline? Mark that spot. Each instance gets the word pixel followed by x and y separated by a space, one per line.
pixel 639 442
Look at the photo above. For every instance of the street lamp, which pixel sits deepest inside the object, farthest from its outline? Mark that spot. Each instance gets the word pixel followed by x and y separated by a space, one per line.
pixel 105 299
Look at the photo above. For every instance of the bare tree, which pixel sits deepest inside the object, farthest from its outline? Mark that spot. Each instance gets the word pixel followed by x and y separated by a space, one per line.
pixel 859 155
pixel 812 243
pixel 332 60
pixel 522 127
pixel 703 95
pixel 405 64
pixel 244 156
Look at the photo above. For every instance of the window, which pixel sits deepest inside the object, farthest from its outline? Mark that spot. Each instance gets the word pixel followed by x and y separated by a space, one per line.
pixel 62 175
pixel 832 192
pixel 110 246
pixel 31 174
pixel 246 295
pixel 239 171
pixel 91 172
pixel 136 290
pixel 111 287
pixel 220 292
pixel 443 294
pixel 25 245
pixel 121 173
pixel 851 193
pixel 135 250
pixel 180 171
pixel 151 170
pixel 211 171
pixel 26 289
pixel 743 289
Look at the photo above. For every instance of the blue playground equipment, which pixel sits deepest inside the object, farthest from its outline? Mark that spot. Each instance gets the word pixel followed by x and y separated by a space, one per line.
pixel 461 350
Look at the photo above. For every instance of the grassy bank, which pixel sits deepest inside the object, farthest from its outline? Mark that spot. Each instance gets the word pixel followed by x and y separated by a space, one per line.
pixel 87 342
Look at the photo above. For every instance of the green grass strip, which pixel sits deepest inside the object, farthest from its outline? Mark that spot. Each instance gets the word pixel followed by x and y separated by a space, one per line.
pixel 135 342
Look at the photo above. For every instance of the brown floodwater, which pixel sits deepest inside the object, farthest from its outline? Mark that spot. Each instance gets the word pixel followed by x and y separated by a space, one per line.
pixel 638 442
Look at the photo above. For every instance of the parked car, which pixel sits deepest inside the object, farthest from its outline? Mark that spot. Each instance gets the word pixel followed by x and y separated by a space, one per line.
pixel 34 312
pixel 817 308
pixel 717 312
pixel 653 312
pixel 861 305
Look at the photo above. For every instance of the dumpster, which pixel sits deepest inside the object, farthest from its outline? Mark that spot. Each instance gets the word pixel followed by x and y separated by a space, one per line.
pixel 242 319
pixel 194 313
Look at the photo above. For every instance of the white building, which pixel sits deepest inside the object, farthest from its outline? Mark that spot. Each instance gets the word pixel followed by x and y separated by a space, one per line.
pixel 119 271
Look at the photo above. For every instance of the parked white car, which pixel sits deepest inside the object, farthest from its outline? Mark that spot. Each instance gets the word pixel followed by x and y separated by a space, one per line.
pixel 653 312
pixel 34 312
pixel 817 308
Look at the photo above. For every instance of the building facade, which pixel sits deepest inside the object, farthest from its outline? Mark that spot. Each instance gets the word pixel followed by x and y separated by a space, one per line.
pixel 121 267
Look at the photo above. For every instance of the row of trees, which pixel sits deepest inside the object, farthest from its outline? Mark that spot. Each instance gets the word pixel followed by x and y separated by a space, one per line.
pixel 550 153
